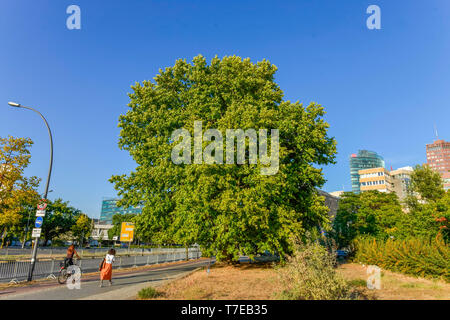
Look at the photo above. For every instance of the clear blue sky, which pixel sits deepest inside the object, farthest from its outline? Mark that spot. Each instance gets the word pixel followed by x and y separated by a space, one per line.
pixel 383 90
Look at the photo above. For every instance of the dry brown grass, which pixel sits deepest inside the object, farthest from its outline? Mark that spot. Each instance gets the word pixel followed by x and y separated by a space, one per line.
pixel 225 282
pixel 254 281
pixel 397 286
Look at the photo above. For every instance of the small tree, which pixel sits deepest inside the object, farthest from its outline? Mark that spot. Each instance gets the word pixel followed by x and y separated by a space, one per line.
pixel 431 216
pixel 371 213
pixel 427 183
pixel 82 228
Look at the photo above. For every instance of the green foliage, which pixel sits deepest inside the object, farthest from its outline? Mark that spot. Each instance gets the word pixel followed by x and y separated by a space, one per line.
pixel 148 293
pixel 117 220
pixel 372 213
pixel 82 228
pixel 357 283
pixel 426 221
pixel 380 215
pixel 228 209
pixel 430 215
pixel 59 219
pixel 17 192
pixel 310 275
pixel 415 256
pixel 427 183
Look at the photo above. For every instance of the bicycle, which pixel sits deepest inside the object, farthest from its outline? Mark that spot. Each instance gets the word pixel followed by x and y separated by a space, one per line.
pixel 64 274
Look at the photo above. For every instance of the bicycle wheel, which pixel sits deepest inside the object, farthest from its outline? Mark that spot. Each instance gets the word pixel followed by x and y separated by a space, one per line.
pixel 62 277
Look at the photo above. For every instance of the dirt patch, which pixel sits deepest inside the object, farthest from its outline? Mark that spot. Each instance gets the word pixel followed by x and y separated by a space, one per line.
pixel 225 282
pixel 396 286
pixel 260 282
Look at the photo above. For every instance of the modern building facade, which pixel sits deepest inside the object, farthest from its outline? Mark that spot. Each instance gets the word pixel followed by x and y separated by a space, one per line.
pixel 100 232
pixel 380 179
pixel 365 159
pixel 376 179
pixel 402 181
pixel 438 159
pixel 110 208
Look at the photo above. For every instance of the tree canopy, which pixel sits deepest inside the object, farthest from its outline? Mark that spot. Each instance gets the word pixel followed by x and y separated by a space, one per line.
pixel 59 219
pixel 17 192
pixel 228 209
pixel 426 213
pixel 371 213
pixel 82 228
pixel 427 183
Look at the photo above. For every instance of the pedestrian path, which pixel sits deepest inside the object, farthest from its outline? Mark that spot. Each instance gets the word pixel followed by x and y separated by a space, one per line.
pixel 125 286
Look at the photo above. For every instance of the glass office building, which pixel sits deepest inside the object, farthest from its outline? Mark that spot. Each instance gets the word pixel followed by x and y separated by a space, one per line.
pixel 110 208
pixel 365 159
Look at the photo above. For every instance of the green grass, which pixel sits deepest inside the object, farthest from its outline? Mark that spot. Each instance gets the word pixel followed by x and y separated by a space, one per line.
pixel 357 283
pixel 148 293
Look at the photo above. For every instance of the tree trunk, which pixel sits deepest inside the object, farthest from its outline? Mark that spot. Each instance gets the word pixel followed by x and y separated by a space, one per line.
pixel 24 239
pixel 187 253
pixel 4 234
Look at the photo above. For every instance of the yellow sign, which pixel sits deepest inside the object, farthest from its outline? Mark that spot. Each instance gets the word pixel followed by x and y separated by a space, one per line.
pixel 127 232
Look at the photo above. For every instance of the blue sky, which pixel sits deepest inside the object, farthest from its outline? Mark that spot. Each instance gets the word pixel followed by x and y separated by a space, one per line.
pixel 383 90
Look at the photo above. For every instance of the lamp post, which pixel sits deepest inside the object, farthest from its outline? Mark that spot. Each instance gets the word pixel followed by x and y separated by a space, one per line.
pixel 36 244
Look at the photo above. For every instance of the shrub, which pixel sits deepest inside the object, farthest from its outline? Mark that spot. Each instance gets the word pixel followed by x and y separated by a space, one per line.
pixel 309 275
pixel 148 293
pixel 415 256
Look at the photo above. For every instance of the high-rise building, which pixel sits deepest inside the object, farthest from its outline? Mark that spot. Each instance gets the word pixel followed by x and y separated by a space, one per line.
pixel 110 208
pixel 363 160
pixel 438 159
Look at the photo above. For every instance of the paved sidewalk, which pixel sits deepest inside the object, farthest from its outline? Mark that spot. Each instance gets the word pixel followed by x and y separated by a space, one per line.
pixel 130 292
pixel 125 286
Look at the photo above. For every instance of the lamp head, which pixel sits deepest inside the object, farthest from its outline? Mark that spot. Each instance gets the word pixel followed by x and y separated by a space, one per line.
pixel 14 104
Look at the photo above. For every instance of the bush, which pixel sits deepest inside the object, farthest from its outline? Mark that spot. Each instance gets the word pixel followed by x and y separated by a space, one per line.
pixel 148 293
pixel 309 275
pixel 415 256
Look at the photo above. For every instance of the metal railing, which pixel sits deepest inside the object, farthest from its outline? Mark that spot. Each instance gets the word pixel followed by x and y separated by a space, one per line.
pixel 61 251
pixel 16 271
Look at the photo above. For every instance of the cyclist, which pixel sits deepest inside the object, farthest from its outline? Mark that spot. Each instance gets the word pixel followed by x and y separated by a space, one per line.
pixel 68 261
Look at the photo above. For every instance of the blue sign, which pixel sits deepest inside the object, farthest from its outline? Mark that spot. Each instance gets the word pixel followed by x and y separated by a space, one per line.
pixel 38 222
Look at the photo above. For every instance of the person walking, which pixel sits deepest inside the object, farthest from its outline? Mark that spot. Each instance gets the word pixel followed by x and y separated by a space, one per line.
pixel 106 267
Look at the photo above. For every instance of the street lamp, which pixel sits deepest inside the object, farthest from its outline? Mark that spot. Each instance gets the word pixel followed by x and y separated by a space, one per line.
pixel 36 244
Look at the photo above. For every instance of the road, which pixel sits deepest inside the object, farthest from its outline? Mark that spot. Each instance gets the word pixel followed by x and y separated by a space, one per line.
pixel 125 284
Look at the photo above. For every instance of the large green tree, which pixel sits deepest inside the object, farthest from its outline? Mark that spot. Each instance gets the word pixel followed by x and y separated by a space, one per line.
pixel 228 209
